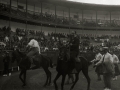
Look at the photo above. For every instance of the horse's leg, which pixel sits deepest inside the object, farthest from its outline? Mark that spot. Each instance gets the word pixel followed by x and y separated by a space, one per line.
pixel 68 79
pixel 47 74
pixel 24 78
pixel 49 78
pixel 70 76
pixel 63 80
pixel 76 79
pixel 85 72
pixel 57 76
pixel 20 76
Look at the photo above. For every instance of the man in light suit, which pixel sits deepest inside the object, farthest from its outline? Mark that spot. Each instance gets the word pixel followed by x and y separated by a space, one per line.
pixel 115 62
pixel 108 68
pixel 98 57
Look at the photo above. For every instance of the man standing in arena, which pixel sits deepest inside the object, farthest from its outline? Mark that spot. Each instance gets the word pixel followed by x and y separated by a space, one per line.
pixel 115 62
pixel 34 49
pixel 98 57
pixel 108 68
pixel 74 49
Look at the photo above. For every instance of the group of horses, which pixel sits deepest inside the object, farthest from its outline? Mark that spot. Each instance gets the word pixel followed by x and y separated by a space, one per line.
pixel 63 67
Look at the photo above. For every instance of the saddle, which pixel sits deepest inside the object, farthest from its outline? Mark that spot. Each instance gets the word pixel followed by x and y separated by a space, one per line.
pixel 77 59
pixel 35 58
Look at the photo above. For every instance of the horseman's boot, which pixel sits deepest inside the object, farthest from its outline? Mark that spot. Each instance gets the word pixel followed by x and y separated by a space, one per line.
pixel 74 69
pixel 31 60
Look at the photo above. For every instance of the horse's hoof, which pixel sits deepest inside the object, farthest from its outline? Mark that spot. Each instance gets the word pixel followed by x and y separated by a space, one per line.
pixel 44 85
pixel 23 85
pixel 56 89
pixel 71 89
pixel 51 84
pixel 67 83
pixel 73 81
pixel 88 89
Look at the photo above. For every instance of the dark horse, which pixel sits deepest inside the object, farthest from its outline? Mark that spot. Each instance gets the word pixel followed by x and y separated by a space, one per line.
pixel 25 64
pixel 64 67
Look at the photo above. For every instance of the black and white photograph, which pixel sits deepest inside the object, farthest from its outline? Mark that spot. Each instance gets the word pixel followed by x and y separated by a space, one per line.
pixel 59 45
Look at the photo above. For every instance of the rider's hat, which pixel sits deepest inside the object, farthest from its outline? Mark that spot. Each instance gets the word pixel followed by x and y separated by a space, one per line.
pixel 105 48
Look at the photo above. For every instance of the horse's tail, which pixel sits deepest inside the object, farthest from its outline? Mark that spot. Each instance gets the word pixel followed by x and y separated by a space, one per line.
pixel 51 63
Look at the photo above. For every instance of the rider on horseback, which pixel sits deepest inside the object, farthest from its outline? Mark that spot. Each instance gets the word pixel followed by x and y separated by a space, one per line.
pixel 34 49
pixel 74 48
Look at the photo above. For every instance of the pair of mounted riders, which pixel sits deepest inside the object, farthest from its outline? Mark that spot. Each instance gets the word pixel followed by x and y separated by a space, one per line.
pixel 73 47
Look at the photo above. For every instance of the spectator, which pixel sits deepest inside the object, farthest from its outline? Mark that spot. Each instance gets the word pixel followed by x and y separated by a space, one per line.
pixel 6 61
pixel 115 61
pixel 6 39
pixel 108 68
pixel 97 59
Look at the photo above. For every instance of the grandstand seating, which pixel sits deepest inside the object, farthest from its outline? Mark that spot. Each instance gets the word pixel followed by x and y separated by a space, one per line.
pixel 47 17
pixel 21 37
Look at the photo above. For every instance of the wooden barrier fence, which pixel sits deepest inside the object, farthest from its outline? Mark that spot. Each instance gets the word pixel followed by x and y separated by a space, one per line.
pixel 52 54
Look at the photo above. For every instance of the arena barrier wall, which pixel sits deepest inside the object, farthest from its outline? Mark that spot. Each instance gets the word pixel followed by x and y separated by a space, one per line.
pixel 52 54
pixel 11 65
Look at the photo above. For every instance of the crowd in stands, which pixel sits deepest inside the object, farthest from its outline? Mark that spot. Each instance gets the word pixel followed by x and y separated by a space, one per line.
pixel 52 41
pixel 49 17
pixel 4 7
pixel 23 32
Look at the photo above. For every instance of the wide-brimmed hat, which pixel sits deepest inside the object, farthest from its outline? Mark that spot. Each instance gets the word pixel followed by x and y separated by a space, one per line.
pixel 97 50
pixel 6 52
pixel 105 48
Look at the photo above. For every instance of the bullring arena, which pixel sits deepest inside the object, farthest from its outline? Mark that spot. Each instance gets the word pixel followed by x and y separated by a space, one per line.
pixel 36 79
pixel 51 23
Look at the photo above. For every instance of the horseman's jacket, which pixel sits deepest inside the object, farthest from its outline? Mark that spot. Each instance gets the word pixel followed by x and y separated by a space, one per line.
pixel 34 43
pixel 115 59
pixel 107 61
pixel 74 44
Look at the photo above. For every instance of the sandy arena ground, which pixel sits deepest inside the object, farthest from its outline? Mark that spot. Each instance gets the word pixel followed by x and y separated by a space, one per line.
pixel 36 79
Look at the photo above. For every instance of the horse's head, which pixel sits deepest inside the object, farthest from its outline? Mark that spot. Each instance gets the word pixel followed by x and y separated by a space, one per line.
pixel 63 53
pixel 17 55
